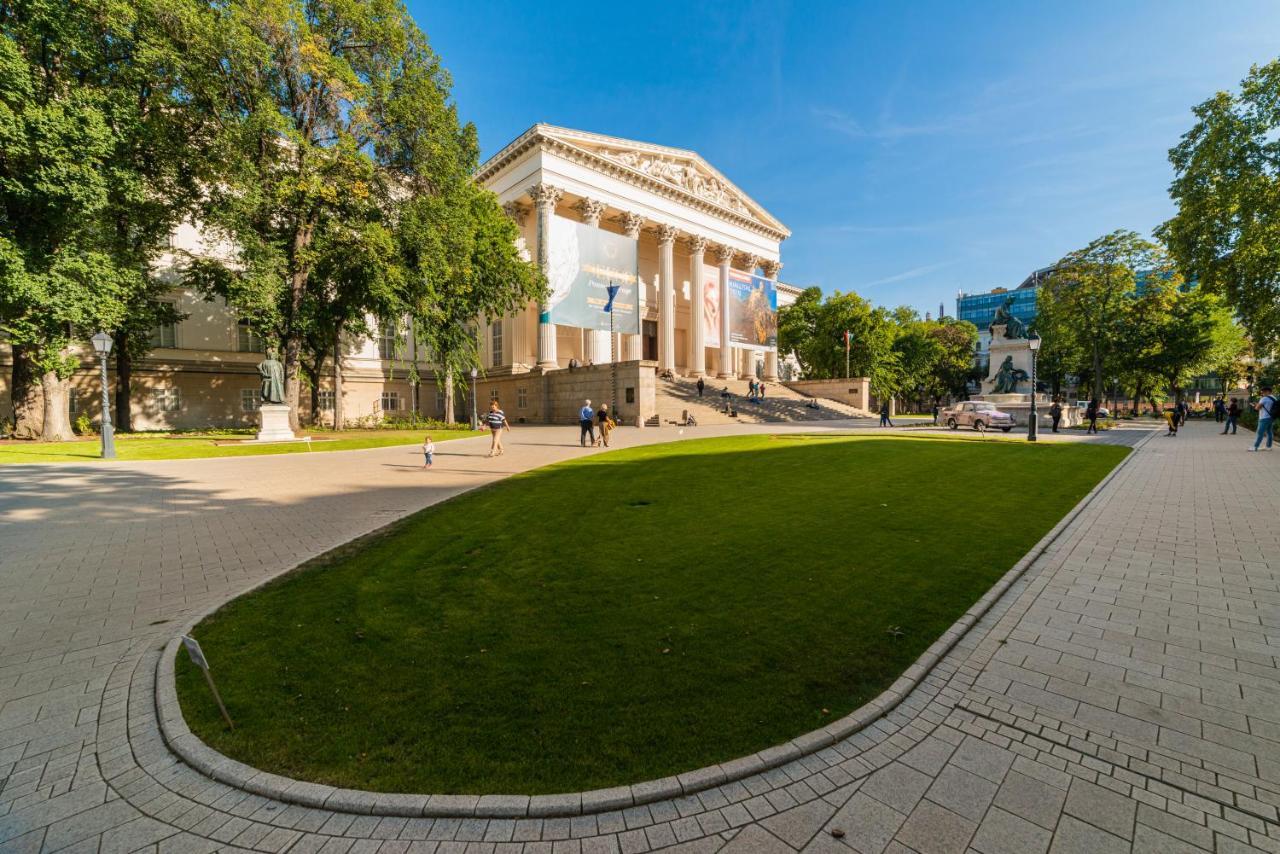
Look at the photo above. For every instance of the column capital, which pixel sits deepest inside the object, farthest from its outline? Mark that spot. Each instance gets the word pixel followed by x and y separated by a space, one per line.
pixel 517 211
pixel 632 223
pixel 771 269
pixel 725 253
pixel 749 262
pixel 666 234
pixel 697 244
pixel 590 210
pixel 545 196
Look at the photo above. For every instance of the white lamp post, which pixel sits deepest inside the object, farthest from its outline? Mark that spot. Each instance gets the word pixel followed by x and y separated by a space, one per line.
pixel 1034 343
pixel 102 345
pixel 475 419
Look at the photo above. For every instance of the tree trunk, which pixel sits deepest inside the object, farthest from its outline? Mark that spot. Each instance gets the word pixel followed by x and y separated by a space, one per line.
pixel 449 413
pixel 57 414
pixel 292 342
pixel 27 396
pixel 1097 371
pixel 338 414
pixel 123 421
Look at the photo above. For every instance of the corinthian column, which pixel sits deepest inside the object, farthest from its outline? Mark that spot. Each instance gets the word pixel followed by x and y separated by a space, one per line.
pixel 698 358
pixel 632 348
pixel 771 270
pixel 545 197
pixel 666 298
pixel 724 256
pixel 746 360
pixel 597 348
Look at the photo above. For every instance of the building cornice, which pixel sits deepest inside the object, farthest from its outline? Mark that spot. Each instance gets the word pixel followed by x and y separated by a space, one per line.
pixel 543 137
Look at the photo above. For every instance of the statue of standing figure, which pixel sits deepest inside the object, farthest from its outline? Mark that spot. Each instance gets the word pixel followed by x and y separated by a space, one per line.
pixel 1013 327
pixel 272 373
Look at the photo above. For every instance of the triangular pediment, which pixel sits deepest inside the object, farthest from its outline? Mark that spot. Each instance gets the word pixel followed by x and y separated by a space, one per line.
pixel 678 168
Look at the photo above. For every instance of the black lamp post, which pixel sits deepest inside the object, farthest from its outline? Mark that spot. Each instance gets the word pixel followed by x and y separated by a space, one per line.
pixel 1034 343
pixel 102 345
pixel 475 419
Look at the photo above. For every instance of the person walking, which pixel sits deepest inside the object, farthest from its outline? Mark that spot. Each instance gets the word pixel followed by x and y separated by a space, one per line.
pixel 606 424
pixel 1219 409
pixel 585 416
pixel 497 421
pixel 428 452
pixel 751 390
pixel 1233 417
pixel 1268 408
pixel 884 414
pixel 1184 412
pixel 1091 413
pixel 760 391
pixel 935 413
pixel 1055 413
pixel 701 386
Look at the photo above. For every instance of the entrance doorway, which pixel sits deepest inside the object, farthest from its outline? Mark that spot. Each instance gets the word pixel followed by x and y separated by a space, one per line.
pixel 649 331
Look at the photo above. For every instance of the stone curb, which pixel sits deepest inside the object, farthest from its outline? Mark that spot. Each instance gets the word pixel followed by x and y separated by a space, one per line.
pixel 195 753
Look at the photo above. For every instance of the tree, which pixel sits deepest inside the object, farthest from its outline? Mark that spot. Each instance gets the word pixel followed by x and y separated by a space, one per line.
pixel 954 367
pixel 1082 302
pixel 798 325
pixel 333 111
pixel 1227 189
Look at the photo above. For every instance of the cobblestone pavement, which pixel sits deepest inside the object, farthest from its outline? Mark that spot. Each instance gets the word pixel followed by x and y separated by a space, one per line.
pixel 1123 694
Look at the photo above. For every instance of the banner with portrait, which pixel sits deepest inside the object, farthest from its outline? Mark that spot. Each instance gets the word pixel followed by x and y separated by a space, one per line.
pixel 711 306
pixel 584 261
pixel 753 311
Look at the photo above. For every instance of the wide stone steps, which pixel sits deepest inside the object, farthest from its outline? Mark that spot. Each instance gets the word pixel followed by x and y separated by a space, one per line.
pixel 780 404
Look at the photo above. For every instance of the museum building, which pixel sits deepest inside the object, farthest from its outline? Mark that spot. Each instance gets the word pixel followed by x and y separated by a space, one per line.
pixel 690 259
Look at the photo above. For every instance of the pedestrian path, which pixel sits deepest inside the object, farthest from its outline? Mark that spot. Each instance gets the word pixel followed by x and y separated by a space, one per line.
pixel 1122 695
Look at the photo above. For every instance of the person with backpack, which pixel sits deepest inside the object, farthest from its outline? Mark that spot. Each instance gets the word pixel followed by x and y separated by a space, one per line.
pixel 1268 408
pixel 1091 413
pixel 1055 413
pixel 1233 417
pixel 884 414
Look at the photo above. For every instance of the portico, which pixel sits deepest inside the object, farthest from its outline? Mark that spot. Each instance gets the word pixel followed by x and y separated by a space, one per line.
pixel 694 230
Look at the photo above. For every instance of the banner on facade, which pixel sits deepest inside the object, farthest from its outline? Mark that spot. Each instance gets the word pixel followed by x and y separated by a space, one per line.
pixel 711 306
pixel 584 262
pixel 753 311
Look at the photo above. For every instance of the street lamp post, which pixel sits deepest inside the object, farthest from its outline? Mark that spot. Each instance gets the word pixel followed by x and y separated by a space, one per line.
pixel 1034 343
pixel 475 418
pixel 102 345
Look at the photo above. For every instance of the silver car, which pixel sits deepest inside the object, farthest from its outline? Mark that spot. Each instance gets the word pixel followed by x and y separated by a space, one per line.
pixel 978 414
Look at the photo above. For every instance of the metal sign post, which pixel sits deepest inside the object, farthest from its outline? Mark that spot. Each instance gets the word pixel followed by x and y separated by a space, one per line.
pixel 613 348
pixel 198 659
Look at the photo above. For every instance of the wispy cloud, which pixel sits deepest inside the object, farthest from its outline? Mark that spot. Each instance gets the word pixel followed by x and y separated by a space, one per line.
pixel 854 228
pixel 843 123
pixel 913 273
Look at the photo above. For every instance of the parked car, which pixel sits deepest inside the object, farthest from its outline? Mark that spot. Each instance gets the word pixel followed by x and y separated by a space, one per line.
pixel 1083 406
pixel 978 414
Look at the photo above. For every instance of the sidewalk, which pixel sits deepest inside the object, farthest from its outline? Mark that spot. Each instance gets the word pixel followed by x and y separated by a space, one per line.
pixel 1122 696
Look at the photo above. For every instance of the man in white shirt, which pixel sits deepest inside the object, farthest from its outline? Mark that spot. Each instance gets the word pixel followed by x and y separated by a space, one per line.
pixel 1268 408
pixel 585 416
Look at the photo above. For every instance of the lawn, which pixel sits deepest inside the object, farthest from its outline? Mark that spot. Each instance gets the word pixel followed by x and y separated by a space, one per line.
pixel 628 615
pixel 186 447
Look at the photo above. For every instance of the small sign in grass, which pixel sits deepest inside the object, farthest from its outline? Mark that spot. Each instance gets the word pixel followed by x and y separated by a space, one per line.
pixel 626 616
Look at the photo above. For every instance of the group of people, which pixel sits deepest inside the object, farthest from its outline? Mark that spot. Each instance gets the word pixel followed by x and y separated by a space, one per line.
pixel 755 391
pixel 1176 416
pixel 588 419
pixel 1227 415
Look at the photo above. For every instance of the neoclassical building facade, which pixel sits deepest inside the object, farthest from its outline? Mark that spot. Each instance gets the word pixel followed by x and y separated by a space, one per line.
pixel 693 230
pixel 684 214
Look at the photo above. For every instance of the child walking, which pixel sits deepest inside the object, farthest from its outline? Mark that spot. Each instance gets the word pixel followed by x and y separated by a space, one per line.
pixel 428 452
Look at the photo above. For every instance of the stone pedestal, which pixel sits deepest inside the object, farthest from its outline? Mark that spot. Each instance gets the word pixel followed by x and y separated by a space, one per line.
pixel 273 423
pixel 1016 349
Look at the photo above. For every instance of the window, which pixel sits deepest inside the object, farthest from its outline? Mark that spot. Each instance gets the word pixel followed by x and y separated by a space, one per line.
pixel 391 401
pixel 522 398
pixel 493 394
pixel 247 340
pixel 166 399
pixel 250 399
pixel 631 394
pixel 439 398
pixel 324 399
pixel 495 332
pixel 388 335
pixel 164 335
pixel 73 402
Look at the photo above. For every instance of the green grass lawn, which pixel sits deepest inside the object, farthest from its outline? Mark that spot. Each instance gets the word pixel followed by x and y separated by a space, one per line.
pixel 186 447
pixel 627 615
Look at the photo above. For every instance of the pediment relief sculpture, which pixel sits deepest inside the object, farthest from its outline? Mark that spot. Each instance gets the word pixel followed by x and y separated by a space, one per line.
pixel 683 174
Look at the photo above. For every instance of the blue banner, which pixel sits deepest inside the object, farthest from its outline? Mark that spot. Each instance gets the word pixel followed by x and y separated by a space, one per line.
pixel 584 262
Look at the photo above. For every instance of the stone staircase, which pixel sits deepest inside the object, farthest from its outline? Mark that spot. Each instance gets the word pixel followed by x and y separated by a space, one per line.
pixel 676 396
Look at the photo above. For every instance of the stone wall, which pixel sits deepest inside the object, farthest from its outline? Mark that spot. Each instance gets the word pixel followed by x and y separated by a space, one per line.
pixel 853 392
pixel 555 397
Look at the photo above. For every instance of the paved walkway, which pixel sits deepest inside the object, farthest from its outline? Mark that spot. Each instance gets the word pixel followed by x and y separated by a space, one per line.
pixel 1123 695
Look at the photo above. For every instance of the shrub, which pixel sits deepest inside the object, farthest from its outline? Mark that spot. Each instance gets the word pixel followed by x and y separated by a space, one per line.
pixel 84 424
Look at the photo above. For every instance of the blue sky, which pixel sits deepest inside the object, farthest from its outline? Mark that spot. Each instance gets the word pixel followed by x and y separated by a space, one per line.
pixel 913 149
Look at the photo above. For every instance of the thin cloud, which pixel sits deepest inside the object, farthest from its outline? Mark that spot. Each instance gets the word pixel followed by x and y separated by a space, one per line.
pixel 913 273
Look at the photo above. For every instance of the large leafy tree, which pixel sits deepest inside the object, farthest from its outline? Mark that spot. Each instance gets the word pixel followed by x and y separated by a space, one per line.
pixel 1082 303
pixel 815 331
pixel 1226 233
pixel 334 112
